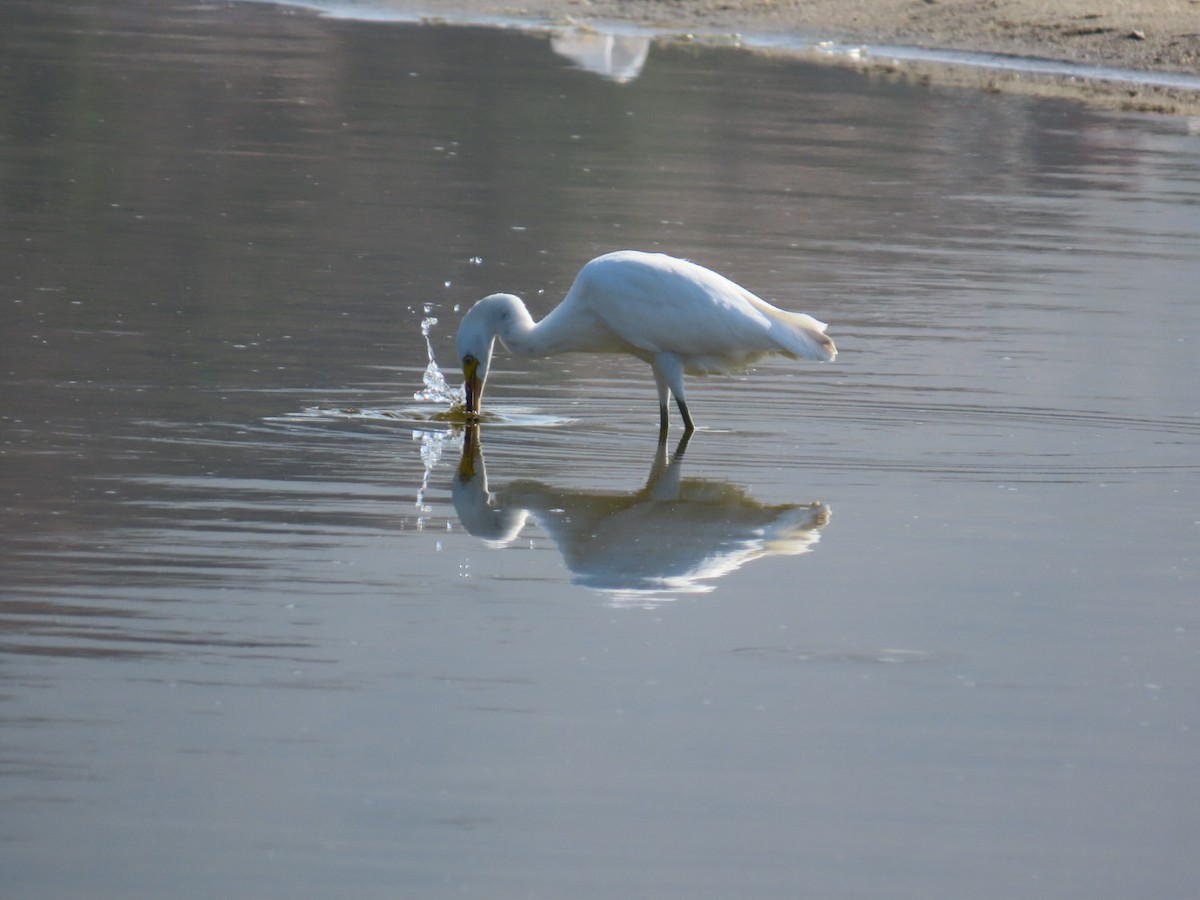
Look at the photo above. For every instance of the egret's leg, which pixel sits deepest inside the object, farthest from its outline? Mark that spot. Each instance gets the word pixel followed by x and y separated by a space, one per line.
pixel 688 425
pixel 668 375
pixel 664 394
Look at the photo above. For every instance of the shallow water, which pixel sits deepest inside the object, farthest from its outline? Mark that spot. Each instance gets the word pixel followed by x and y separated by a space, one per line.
pixel 918 623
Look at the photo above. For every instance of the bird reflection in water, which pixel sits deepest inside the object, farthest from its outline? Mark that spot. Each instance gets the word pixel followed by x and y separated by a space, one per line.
pixel 617 57
pixel 675 536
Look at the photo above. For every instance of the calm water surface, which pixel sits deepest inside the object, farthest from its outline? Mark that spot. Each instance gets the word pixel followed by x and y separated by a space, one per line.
pixel 920 623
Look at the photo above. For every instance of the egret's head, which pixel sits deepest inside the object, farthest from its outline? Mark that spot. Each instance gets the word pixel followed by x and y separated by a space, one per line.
pixel 498 315
pixel 476 337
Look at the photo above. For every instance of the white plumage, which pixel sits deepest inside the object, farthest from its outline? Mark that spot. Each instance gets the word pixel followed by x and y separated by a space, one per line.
pixel 673 314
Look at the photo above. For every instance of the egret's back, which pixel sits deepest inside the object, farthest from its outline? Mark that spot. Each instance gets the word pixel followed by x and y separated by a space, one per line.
pixel 656 303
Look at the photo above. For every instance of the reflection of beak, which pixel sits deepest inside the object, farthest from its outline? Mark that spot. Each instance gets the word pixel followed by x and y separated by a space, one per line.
pixel 471 453
pixel 473 386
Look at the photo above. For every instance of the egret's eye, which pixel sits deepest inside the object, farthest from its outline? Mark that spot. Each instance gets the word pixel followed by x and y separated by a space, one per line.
pixel 470 360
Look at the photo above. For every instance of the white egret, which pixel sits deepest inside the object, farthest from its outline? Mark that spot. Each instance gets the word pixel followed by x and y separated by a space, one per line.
pixel 673 314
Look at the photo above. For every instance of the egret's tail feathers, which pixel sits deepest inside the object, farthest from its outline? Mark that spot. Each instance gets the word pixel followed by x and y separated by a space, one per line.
pixel 798 333
pixel 809 338
pixel 802 335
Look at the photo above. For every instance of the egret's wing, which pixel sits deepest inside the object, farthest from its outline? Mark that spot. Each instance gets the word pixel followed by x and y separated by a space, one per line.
pixel 659 304
pixel 655 304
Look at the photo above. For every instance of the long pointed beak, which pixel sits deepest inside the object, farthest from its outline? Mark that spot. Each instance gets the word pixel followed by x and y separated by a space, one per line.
pixel 473 386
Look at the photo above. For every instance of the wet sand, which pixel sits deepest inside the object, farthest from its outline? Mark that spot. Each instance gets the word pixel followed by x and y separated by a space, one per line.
pixel 1150 36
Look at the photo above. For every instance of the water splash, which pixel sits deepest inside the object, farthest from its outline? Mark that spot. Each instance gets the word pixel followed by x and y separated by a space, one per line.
pixel 432 443
pixel 436 390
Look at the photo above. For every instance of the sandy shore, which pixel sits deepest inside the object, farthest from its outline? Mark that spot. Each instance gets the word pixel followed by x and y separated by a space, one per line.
pixel 1150 36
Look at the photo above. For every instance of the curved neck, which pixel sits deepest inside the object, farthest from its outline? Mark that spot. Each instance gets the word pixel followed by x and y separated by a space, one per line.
pixel 506 317
pixel 509 320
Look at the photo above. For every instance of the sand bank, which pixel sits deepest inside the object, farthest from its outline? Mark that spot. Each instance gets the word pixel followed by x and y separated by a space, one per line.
pixel 1153 37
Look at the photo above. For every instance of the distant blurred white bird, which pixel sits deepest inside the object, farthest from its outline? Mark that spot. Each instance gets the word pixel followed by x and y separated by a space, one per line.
pixel 673 314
